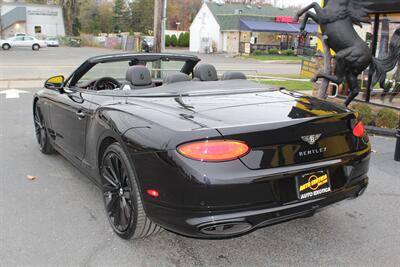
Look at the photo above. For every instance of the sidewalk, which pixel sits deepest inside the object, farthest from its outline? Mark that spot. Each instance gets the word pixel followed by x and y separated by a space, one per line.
pixel 20 84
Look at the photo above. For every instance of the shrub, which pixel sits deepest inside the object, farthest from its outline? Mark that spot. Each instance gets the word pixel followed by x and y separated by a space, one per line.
pixel 273 51
pixel 181 40
pixel 260 53
pixel 186 39
pixel 85 40
pixel 365 112
pixel 167 40
pixel 64 40
pixel 288 52
pixel 387 118
pixel 174 40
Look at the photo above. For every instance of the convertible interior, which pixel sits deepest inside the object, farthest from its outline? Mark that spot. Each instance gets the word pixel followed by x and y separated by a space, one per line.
pixel 140 77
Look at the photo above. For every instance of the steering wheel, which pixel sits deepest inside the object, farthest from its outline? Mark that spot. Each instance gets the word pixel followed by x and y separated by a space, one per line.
pixel 106 83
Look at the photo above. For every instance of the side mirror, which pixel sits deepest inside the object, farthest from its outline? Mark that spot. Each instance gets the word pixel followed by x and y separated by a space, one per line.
pixel 55 83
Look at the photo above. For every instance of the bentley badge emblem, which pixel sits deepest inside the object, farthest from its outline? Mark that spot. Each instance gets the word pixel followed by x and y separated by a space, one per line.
pixel 311 139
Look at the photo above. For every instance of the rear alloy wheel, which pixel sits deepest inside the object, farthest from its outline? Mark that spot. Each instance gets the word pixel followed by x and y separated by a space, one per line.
pixel 121 196
pixel 6 47
pixel 35 47
pixel 41 132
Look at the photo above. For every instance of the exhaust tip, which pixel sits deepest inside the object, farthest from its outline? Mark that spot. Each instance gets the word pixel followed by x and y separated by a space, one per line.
pixel 361 192
pixel 229 228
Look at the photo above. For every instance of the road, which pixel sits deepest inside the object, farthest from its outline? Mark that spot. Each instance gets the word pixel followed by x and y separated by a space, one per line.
pixel 25 64
pixel 58 219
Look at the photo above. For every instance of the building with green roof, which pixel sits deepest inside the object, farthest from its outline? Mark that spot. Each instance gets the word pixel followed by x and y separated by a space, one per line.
pixel 228 27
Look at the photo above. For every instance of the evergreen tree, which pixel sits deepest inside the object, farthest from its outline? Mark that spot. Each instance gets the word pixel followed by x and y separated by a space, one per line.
pixel 167 40
pixel 142 16
pixel 186 39
pixel 120 16
pixel 181 41
pixel 174 40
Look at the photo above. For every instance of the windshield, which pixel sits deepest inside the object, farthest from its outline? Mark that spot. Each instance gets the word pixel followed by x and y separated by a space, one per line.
pixel 117 70
pixel 156 75
pixel 192 88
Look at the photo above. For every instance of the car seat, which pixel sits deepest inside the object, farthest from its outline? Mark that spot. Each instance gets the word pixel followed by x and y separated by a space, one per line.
pixel 233 75
pixel 138 77
pixel 176 78
pixel 205 73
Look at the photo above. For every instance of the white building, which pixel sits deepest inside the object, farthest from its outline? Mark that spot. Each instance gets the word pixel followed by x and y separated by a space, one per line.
pixel 220 27
pixel 205 30
pixel 32 19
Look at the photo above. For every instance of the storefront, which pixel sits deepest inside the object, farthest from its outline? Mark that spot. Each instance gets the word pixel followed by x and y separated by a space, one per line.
pixel 280 34
pixel 386 19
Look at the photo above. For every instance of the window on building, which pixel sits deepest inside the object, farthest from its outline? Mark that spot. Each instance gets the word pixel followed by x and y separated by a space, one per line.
pixel 38 29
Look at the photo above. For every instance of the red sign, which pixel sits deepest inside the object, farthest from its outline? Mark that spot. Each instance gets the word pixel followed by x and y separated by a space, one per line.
pixel 284 19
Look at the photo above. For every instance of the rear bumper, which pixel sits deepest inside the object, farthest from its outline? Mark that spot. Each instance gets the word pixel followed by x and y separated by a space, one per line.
pixel 218 224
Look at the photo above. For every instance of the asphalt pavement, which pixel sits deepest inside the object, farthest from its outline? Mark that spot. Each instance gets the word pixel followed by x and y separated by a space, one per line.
pixel 23 64
pixel 58 219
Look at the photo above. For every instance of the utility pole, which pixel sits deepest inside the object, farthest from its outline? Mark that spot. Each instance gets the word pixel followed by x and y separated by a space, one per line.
pixel 1 23
pixel 159 20
pixel 164 25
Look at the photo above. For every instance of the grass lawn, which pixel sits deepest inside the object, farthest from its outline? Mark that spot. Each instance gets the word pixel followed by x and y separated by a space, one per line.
pixel 290 85
pixel 274 57
pixel 291 76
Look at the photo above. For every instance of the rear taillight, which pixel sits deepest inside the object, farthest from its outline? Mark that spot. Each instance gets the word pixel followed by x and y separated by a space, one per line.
pixel 153 193
pixel 214 150
pixel 359 129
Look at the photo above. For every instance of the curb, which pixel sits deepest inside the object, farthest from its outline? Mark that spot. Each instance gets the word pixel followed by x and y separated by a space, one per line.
pixel 289 62
pixel 381 131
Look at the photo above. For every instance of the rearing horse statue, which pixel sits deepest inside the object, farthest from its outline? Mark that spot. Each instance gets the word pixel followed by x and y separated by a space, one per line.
pixel 353 55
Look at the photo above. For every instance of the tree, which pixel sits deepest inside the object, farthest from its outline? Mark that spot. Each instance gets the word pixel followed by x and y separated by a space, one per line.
pixel 71 16
pixel 167 40
pixel 105 12
pixel 142 14
pixel 174 40
pixel 119 18
pixel 183 12
pixel 184 39
pixel 180 39
pixel 90 17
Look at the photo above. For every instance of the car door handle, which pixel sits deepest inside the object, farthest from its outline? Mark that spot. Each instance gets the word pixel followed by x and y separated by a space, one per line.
pixel 81 115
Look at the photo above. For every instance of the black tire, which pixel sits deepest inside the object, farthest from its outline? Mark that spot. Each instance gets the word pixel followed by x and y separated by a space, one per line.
pixel 42 136
pixel 35 47
pixel 122 200
pixel 6 46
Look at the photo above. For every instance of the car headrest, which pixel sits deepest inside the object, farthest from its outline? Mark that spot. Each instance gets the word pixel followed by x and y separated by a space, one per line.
pixel 205 73
pixel 233 75
pixel 176 78
pixel 139 75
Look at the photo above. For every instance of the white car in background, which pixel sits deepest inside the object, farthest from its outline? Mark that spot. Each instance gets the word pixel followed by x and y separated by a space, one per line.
pixel 22 41
pixel 52 41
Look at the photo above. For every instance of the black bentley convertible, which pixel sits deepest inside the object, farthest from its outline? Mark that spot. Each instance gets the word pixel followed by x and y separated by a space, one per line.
pixel 174 146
